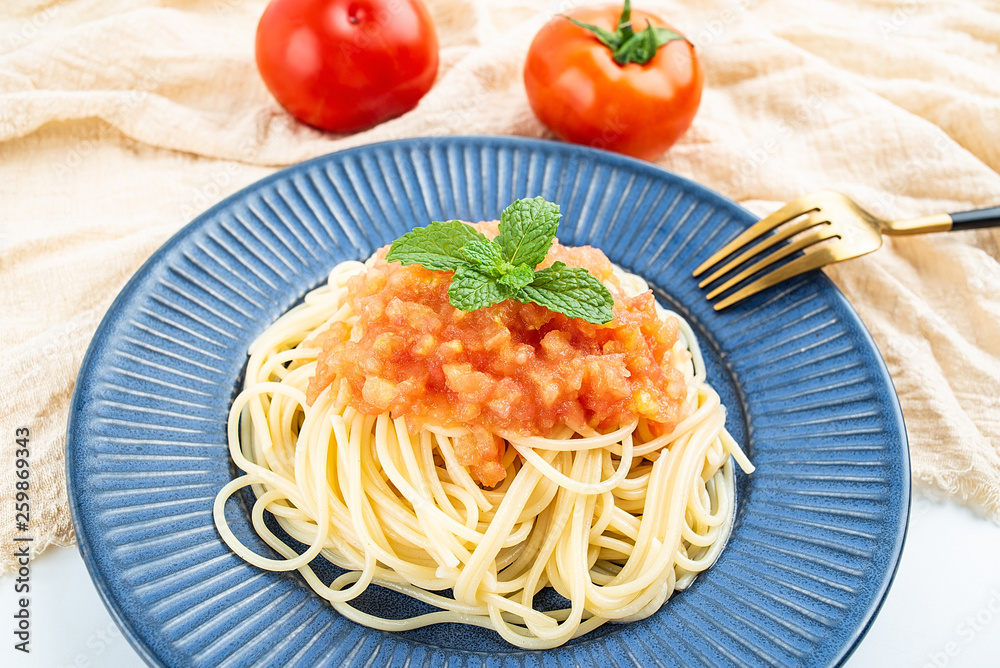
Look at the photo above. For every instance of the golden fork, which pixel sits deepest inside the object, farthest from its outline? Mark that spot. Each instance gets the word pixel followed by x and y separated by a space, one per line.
pixel 827 227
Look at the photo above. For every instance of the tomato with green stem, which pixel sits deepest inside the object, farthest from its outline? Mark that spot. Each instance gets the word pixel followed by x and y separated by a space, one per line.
pixel 614 78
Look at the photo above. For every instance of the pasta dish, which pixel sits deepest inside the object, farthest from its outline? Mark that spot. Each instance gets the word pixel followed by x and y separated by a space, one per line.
pixel 471 459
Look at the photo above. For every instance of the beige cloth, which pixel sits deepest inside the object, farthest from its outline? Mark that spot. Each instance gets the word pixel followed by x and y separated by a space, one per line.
pixel 120 120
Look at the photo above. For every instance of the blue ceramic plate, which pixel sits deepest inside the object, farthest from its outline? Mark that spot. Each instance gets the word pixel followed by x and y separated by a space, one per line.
pixel 819 526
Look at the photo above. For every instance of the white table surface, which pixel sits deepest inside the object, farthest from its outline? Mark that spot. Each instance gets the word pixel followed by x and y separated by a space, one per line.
pixel 943 610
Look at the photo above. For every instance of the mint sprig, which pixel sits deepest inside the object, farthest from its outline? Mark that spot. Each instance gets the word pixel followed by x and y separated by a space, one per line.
pixel 491 271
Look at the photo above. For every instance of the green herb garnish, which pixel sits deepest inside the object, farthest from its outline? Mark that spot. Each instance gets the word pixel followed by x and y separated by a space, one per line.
pixel 626 44
pixel 491 271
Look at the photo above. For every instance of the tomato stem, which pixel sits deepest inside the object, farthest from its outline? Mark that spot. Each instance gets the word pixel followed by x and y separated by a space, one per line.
pixel 625 21
pixel 627 45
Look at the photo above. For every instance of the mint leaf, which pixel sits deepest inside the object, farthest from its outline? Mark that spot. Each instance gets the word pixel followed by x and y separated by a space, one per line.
pixel 437 247
pixel 486 256
pixel 517 277
pixel 472 290
pixel 574 292
pixel 527 228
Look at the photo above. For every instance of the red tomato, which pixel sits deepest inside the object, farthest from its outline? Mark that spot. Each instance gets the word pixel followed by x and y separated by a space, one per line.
pixel 346 65
pixel 578 91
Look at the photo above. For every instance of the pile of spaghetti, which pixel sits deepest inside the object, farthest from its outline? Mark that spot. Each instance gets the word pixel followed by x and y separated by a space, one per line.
pixel 469 460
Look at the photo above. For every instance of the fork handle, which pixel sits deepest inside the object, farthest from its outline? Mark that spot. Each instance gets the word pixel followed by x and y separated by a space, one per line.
pixel 945 222
pixel 975 219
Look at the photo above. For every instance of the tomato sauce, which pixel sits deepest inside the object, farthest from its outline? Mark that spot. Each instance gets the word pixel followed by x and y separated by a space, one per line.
pixel 507 371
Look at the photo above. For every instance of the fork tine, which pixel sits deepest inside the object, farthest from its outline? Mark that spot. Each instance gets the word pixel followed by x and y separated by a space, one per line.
pixel 793 209
pixel 806 240
pixel 781 235
pixel 811 260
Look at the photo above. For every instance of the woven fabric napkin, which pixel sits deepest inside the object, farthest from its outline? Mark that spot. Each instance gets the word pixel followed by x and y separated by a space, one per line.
pixel 121 120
